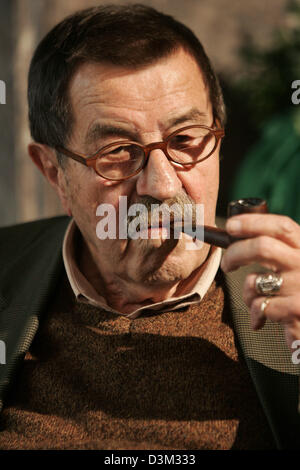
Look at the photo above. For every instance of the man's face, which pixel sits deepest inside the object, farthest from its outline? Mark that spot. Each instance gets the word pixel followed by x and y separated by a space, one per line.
pixel 144 105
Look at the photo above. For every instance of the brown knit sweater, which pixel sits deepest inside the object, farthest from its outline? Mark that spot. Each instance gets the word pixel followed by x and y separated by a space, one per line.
pixel 96 380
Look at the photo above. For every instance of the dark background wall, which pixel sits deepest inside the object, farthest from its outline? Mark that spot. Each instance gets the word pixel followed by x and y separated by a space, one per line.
pixel 220 24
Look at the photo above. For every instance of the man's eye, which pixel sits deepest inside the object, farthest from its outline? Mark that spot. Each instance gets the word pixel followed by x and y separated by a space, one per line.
pixel 117 154
pixel 181 141
pixel 182 138
pixel 120 150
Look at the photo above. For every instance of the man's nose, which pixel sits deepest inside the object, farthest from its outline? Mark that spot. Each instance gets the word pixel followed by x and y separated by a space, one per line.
pixel 159 178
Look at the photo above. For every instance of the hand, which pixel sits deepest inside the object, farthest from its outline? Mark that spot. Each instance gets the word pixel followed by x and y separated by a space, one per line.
pixel 274 242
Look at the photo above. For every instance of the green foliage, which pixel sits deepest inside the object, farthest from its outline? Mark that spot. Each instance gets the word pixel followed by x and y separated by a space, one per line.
pixel 265 82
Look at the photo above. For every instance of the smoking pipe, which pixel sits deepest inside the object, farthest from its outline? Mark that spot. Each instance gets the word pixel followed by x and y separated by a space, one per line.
pixel 218 237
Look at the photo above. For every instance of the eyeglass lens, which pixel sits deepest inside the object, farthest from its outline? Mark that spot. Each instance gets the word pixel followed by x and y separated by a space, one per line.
pixel 188 146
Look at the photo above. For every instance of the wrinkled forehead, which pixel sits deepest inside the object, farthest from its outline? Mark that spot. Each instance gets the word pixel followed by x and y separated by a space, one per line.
pixel 169 87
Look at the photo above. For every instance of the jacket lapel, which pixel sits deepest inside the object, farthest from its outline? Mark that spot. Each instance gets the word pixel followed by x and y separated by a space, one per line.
pixel 269 361
pixel 267 345
pixel 28 282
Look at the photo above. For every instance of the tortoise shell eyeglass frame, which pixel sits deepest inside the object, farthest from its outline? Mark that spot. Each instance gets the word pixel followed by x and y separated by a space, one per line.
pixel 90 161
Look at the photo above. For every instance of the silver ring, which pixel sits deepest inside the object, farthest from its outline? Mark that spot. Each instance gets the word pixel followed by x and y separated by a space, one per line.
pixel 267 284
pixel 264 303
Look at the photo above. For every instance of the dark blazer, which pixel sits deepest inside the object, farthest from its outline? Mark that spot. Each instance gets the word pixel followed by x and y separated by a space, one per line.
pixel 31 268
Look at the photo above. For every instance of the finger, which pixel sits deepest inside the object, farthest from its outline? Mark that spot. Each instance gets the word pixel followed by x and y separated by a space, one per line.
pixel 285 310
pixel 289 286
pixel 269 252
pixel 277 226
pixel 292 333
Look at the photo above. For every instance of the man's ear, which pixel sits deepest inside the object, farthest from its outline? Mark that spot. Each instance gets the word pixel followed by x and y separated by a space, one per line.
pixel 45 159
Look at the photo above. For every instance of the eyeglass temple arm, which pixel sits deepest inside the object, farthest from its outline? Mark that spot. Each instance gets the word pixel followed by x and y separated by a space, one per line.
pixel 72 155
pixel 219 133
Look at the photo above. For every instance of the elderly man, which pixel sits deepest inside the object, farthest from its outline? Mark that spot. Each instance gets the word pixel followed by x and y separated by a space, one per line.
pixel 122 343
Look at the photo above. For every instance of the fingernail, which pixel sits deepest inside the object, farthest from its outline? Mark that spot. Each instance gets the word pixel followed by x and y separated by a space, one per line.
pixel 233 226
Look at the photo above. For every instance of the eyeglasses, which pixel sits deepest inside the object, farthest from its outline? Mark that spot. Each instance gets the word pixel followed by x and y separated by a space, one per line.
pixel 121 160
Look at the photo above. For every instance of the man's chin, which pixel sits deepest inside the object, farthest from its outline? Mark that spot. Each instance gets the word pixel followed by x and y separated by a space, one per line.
pixel 154 261
pixel 176 266
pixel 168 273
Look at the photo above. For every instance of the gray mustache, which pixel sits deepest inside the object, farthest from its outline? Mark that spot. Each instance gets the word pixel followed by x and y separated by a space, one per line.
pixel 153 212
